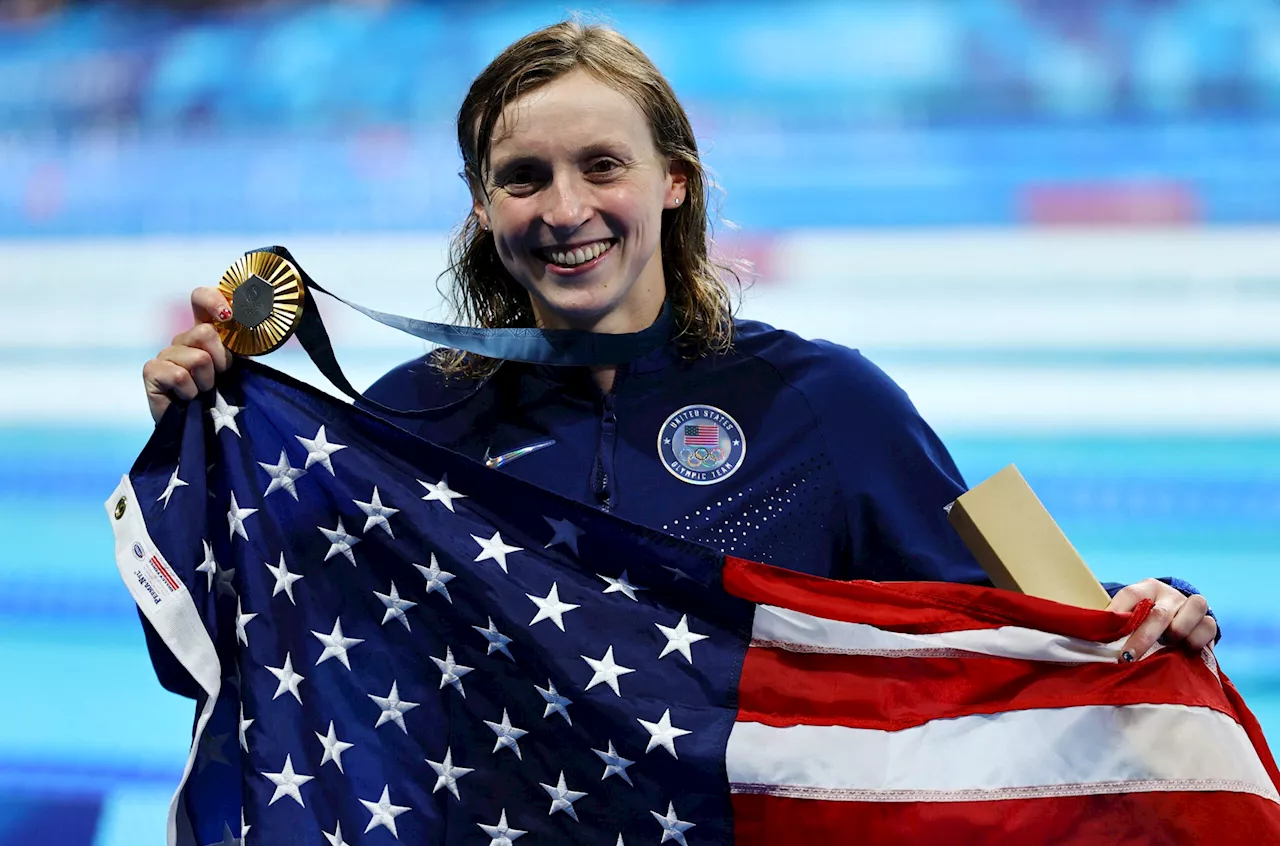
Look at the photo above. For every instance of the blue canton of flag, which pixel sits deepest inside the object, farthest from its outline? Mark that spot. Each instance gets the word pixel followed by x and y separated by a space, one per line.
pixel 395 643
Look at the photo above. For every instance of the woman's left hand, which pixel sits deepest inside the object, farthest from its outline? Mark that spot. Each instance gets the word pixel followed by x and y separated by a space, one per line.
pixel 1176 618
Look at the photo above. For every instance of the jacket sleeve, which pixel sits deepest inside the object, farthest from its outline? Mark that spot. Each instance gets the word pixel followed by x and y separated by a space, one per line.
pixel 896 476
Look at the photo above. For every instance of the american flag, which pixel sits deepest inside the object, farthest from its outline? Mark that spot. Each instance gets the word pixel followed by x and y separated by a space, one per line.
pixel 702 434
pixel 396 644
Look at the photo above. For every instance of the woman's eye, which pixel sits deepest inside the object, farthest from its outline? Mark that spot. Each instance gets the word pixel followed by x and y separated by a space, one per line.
pixel 518 179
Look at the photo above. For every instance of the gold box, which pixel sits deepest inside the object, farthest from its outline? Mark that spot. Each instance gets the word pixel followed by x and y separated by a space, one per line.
pixel 1020 546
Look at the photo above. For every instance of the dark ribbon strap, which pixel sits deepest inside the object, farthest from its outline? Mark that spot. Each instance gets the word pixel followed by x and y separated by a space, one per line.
pixel 561 347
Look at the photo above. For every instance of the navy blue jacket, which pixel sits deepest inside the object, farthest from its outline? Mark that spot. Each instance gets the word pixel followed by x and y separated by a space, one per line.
pixel 835 473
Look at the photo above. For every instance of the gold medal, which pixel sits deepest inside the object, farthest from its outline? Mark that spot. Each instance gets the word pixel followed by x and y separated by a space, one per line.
pixel 266 295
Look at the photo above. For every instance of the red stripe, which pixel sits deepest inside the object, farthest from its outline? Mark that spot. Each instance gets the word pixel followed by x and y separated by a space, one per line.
pixel 164 573
pixel 921 607
pixel 1251 727
pixel 1134 819
pixel 782 688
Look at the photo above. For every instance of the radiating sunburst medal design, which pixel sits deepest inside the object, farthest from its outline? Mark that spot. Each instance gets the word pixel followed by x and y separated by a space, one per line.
pixel 266 296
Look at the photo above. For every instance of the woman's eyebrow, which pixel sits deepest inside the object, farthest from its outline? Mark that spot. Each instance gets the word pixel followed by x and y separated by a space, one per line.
pixel 604 148
pixel 512 160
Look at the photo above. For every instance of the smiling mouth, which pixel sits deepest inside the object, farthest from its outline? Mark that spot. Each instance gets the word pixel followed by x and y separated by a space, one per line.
pixel 576 256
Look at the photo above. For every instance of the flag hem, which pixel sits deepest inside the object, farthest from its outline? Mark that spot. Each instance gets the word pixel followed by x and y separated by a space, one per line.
pixel 168 607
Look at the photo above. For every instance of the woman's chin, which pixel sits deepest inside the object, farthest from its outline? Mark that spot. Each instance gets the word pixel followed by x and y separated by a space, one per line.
pixel 576 315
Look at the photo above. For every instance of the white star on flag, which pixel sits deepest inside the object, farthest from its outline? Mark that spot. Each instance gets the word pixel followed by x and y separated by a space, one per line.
pixel 495 549
pixel 606 671
pixel 556 703
pixel 174 484
pixel 244 727
pixel 393 708
pixel 384 813
pixel 395 606
pixel 283 476
pixel 223 414
pixel 614 764
pixel 235 518
pixel 318 450
pixel 679 639
pixel 663 734
pixel 376 513
pixel 451 672
pixel 562 798
pixel 565 533
pixel 335 839
pixel 335 645
pixel 673 828
pixel 284 579
pixel 436 578
pixel 287 782
pixel 441 492
pixel 620 585
pixel 333 748
pixel 508 736
pixel 340 542
pixel 242 620
pixel 501 834
pixel 448 774
pixel 209 566
pixel 497 640
pixel 550 607
pixel 289 680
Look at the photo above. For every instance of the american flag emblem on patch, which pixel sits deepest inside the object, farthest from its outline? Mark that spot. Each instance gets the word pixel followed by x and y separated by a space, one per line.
pixel 702 434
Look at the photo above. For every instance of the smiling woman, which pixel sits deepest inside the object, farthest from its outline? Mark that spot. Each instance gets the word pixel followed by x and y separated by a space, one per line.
pixel 578 225
pixel 590 204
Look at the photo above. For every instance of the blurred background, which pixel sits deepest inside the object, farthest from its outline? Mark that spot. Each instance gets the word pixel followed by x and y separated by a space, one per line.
pixel 1057 224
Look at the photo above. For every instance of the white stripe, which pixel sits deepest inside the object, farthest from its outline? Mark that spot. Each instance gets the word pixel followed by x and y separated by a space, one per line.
pixel 172 614
pixel 797 632
pixel 1052 751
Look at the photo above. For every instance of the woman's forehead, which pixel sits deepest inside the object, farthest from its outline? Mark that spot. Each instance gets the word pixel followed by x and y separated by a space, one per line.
pixel 575 111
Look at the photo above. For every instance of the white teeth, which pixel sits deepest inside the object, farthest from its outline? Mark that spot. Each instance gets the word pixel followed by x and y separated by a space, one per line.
pixel 572 258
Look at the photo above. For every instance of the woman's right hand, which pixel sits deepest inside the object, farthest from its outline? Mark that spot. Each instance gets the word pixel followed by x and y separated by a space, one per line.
pixel 187 367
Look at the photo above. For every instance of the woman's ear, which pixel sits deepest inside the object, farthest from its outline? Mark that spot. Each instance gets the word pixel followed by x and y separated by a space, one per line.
pixel 677 184
pixel 478 200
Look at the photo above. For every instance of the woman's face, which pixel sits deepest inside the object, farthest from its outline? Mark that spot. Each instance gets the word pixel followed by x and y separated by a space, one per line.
pixel 576 191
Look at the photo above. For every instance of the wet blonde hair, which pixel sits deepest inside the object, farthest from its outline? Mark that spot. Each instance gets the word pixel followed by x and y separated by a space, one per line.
pixel 484 293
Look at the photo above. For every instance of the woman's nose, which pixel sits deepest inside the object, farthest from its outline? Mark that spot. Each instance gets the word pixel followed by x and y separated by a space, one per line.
pixel 566 207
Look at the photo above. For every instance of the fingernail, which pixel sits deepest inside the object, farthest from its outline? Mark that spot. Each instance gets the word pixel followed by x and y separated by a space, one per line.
pixel 224 314
pixel 1126 656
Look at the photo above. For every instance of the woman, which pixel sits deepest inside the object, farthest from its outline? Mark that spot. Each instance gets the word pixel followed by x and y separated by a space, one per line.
pixel 590 213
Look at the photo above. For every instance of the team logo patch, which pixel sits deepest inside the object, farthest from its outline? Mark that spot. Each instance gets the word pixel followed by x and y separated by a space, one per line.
pixel 701 445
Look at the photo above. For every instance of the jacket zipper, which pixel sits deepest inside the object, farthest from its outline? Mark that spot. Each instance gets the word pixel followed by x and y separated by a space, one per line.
pixel 602 482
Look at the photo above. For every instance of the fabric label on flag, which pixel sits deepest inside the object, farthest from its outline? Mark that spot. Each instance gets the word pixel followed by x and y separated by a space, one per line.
pixel 168 607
